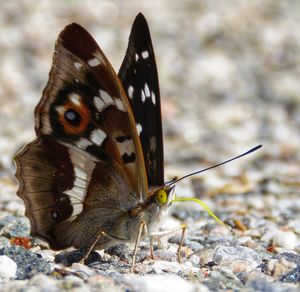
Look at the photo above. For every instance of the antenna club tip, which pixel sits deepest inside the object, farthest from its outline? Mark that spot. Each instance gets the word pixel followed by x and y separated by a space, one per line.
pixel 254 149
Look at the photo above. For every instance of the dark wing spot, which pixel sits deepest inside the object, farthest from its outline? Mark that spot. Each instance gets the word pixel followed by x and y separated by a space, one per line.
pixel 72 117
pixel 122 139
pixel 128 158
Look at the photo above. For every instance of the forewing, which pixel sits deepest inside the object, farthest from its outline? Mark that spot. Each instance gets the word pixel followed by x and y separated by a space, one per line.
pixel 138 74
pixel 84 106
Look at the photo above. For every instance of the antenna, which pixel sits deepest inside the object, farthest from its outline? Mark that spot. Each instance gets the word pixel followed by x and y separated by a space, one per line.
pixel 213 166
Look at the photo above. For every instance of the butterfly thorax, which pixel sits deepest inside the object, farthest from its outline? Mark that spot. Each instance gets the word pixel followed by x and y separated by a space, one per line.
pixel 151 212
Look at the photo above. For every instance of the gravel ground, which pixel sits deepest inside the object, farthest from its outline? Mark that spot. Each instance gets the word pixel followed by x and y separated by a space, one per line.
pixel 229 74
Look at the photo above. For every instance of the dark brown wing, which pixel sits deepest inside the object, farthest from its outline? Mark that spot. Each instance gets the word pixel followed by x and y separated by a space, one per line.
pixel 86 168
pixel 139 77
pixel 84 105
pixel 69 195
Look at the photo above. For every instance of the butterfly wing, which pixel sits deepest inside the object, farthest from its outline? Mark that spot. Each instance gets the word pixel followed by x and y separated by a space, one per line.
pixel 84 105
pixel 139 77
pixel 86 168
pixel 70 196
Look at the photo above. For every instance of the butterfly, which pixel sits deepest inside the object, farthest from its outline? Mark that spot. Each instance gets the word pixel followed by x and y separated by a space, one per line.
pixel 94 176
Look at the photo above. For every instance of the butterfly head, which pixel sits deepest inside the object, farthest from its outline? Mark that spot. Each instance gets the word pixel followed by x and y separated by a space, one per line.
pixel 164 196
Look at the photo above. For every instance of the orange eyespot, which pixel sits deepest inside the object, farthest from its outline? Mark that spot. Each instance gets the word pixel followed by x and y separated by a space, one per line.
pixel 161 197
pixel 74 115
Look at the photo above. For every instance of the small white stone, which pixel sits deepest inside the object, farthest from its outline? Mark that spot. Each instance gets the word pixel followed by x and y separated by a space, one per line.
pixel 166 266
pixel 46 254
pixel 285 239
pixel 8 268
pixel 83 268
pixel 162 283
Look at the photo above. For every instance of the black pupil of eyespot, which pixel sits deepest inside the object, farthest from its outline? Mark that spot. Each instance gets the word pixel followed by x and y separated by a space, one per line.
pixel 73 117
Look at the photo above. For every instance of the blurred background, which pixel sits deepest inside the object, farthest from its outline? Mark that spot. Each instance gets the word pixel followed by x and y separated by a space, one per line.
pixel 229 77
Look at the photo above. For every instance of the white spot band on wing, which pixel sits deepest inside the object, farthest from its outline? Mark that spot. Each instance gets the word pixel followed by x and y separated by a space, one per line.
pixel 145 54
pixel 94 62
pixel 97 137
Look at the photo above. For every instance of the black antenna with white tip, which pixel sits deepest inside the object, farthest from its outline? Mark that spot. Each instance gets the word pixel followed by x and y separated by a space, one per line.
pixel 213 166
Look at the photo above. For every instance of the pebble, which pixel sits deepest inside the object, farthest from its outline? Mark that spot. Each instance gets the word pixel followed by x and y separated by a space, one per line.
pixel 8 268
pixel 28 263
pixel 73 282
pixel 162 283
pixel 256 275
pixel 239 258
pixel 292 276
pixel 83 270
pixel 266 286
pixel 206 255
pixel 194 259
pixel 169 254
pixel 165 266
pixel 44 282
pixel 46 254
pixel 120 250
pixel 194 245
pixel 221 278
pixel 219 230
pixel 279 267
pixel 4 241
pixel 15 226
pixel 284 239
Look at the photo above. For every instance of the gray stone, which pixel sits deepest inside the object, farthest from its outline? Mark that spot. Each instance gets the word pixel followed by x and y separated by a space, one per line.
pixel 239 259
pixel 28 263
pixel 15 226
pixel 162 283
pixel 285 239
pixel 44 283
pixel 165 266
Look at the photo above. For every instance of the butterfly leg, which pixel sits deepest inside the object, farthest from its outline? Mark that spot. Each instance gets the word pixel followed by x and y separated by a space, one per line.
pixel 102 233
pixel 142 227
pixel 151 248
pixel 182 227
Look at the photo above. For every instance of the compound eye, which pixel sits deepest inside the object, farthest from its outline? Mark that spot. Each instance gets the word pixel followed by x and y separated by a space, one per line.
pixel 161 197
